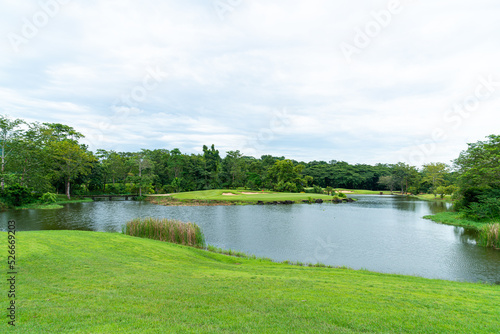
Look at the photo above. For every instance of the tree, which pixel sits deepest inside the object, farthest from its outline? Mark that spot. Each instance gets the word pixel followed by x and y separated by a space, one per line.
pixel 8 131
pixel 388 181
pixel 144 177
pixel 479 165
pixel 435 173
pixel 70 160
pixel 284 176
pixel 329 190
pixel 405 175
pixel 212 163
pixel 233 165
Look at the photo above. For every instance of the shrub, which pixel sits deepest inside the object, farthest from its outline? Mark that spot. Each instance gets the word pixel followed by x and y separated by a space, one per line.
pixel 49 198
pixel 486 208
pixel 166 230
pixel 342 195
pixel 17 195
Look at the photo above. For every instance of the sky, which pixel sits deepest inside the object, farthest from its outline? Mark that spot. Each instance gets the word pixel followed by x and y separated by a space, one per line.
pixel 356 81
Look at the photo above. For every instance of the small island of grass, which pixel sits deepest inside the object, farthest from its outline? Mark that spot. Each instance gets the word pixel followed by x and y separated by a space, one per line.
pixel 238 197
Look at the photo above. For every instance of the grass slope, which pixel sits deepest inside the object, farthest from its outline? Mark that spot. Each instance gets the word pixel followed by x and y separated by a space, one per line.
pixel 87 282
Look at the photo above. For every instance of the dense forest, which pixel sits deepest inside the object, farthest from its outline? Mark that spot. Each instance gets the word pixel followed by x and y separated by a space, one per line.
pixel 50 158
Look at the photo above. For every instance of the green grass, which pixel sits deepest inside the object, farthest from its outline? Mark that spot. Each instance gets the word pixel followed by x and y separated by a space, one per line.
pixel 88 282
pixel 456 219
pixel 365 192
pixel 166 230
pixel 239 196
pixel 431 197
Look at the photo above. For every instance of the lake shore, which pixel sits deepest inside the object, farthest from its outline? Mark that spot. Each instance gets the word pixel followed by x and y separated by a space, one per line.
pixel 456 219
pixel 110 281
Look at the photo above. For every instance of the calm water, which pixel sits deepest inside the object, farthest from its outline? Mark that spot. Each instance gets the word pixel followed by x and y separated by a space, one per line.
pixel 378 233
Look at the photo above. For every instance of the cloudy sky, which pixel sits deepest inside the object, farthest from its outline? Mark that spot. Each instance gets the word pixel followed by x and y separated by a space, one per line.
pixel 359 81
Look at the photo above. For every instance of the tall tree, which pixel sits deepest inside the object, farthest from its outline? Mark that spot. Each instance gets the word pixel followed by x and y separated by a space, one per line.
pixel 234 167
pixel 479 165
pixel 435 174
pixel 9 129
pixel 212 162
pixel 70 161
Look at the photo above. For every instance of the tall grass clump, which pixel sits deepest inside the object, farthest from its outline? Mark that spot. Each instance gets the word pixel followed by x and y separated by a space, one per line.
pixel 489 235
pixel 168 230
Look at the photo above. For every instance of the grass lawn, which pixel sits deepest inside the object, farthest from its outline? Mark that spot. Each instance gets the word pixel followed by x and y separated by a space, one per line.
pixel 88 282
pixel 456 219
pixel 365 192
pixel 243 196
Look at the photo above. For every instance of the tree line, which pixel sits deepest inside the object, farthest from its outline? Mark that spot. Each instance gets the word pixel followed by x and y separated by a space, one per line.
pixel 49 157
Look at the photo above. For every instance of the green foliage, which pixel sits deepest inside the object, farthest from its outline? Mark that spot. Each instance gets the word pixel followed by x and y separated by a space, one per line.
pixel 49 198
pixel 479 165
pixel 413 190
pixel 485 208
pixel 117 188
pixel 17 195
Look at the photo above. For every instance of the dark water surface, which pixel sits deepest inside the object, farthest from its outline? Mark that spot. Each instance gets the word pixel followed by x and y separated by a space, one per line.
pixel 378 233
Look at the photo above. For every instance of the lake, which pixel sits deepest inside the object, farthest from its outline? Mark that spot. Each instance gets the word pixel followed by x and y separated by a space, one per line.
pixel 378 233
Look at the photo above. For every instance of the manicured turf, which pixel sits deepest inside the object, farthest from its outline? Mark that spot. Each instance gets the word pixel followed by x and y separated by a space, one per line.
pixel 88 282
pixel 366 192
pixel 239 196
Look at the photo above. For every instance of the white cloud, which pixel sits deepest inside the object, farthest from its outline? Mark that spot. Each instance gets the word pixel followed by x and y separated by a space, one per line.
pixel 224 79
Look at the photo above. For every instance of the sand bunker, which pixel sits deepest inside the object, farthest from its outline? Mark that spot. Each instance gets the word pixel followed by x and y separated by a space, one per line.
pixel 251 193
pixel 228 194
pixel 345 192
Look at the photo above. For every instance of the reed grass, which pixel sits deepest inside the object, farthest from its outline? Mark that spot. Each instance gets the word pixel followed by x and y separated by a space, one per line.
pixel 489 235
pixel 168 230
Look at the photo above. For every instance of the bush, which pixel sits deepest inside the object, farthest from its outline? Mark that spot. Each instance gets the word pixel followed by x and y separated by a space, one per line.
pixel 341 195
pixel 17 195
pixel 486 208
pixel 49 198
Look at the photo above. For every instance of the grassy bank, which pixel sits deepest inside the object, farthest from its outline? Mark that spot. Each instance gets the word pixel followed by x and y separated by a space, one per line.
pixel 222 196
pixel 456 219
pixel 87 282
